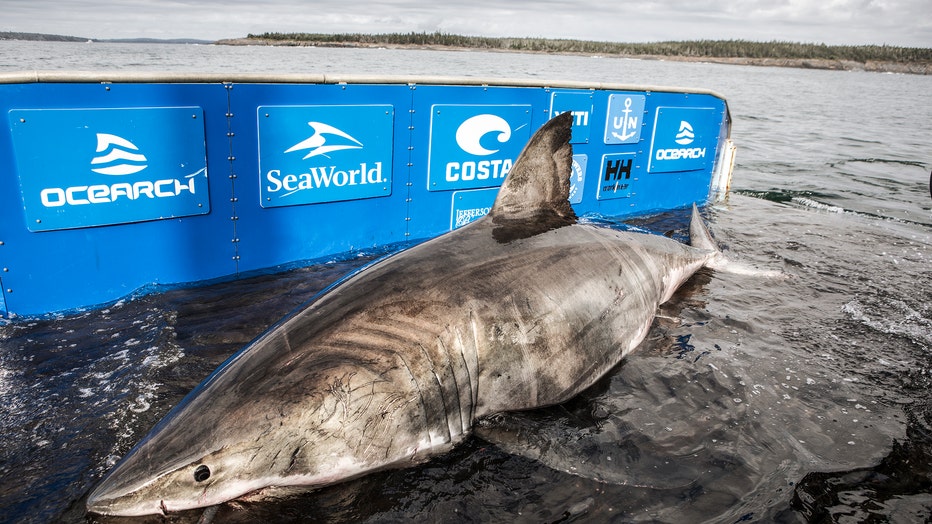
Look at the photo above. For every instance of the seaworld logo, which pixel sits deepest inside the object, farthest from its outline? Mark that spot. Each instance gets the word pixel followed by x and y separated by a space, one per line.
pixel 317 144
pixel 326 139
pixel 347 156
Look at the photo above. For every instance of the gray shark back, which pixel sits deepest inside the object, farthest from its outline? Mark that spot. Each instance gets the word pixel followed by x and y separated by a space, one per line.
pixel 521 309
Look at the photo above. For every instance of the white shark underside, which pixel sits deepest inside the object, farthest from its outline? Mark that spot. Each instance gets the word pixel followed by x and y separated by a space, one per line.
pixel 521 309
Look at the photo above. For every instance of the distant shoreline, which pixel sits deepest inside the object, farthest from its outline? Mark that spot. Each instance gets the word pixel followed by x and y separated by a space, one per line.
pixel 877 59
pixel 874 66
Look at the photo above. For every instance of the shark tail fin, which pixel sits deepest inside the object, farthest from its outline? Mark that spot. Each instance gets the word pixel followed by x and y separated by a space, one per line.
pixel 699 236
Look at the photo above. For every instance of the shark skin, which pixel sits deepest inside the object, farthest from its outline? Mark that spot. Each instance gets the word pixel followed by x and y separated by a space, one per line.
pixel 523 308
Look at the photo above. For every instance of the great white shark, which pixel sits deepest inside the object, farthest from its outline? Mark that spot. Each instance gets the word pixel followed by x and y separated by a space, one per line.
pixel 523 308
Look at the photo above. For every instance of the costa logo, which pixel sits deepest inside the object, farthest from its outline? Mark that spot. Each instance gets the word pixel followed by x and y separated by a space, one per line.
pixel 475 146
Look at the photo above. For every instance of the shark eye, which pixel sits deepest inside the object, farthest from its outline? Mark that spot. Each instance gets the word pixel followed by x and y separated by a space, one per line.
pixel 202 473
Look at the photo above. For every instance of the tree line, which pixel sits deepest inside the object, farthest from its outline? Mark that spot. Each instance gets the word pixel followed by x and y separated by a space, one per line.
pixel 694 48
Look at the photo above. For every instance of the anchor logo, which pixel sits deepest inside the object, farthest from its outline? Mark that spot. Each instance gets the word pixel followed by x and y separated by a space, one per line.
pixel 625 119
pixel 627 124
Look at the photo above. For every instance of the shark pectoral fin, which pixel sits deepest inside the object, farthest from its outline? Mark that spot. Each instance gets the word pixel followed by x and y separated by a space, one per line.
pixel 599 452
pixel 535 196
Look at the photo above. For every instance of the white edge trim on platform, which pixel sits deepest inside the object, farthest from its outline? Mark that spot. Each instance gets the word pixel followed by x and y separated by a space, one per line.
pixel 28 77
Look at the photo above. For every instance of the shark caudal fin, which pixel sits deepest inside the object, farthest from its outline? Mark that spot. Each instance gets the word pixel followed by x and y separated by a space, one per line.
pixel 535 196
pixel 699 236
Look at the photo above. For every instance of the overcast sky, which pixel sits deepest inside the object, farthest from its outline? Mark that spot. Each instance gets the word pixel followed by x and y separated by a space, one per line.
pixel 852 22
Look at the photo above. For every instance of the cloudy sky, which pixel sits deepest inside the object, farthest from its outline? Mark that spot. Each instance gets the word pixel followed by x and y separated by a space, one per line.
pixel 852 22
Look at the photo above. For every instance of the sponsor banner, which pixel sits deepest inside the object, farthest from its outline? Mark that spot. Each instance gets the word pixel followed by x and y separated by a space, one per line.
pixel 94 167
pixel 475 146
pixel 314 154
pixel 615 176
pixel 684 139
pixel 580 105
pixel 625 119
pixel 469 206
pixel 578 178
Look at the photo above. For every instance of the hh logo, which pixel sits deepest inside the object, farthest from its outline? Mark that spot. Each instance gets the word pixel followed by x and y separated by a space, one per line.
pixel 347 156
pixel 475 146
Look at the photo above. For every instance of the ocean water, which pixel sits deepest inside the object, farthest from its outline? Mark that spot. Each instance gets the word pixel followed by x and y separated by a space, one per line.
pixel 797 399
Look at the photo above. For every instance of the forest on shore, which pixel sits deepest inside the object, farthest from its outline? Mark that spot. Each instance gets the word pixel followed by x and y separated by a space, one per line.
pixel 877 58
pixel 793 54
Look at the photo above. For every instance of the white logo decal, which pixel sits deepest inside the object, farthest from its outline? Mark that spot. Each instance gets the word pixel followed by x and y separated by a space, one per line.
pixel 471 132
pixel 685 135
pixel 317 144
pixel 117 151
pixel 626 123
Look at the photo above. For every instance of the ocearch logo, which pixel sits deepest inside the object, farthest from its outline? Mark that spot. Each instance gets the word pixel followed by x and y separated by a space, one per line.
pixel 119 156
pixel 685 135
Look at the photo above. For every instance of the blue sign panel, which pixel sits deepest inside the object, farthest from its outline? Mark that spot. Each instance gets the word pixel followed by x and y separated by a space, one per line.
pixel 93 167
pixel 580 104
pixel 578 178
pixel 313 154
pixel 475 146
pixel 615 176
pixel 625 118
pixel 684 139
pixel 469 206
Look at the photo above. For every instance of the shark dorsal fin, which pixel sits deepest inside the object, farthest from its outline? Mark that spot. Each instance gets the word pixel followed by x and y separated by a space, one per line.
pixel 535 196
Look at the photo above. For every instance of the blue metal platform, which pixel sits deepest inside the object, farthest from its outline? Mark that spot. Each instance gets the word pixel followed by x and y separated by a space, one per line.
pixel 113 182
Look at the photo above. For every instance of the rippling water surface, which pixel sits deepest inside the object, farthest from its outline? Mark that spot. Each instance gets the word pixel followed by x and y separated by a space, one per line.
pixel 796 399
